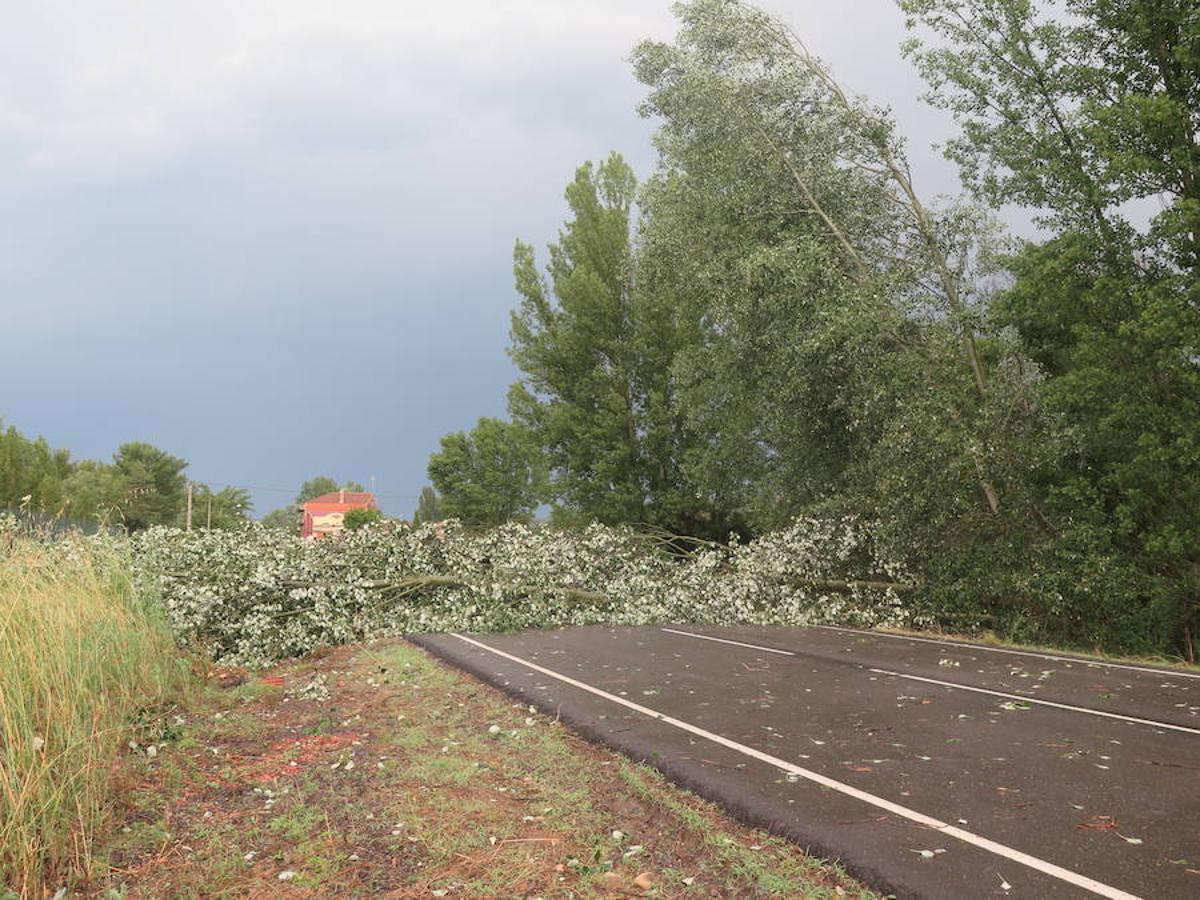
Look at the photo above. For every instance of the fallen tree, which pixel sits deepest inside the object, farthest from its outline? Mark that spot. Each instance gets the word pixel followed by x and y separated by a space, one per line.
pixel 256 595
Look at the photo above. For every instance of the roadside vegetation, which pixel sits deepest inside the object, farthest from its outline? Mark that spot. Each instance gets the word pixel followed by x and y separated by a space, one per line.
pixel 86 665
pixel 377 770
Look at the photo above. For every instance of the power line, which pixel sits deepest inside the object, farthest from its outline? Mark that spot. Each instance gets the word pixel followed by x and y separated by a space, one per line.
pixel 292 491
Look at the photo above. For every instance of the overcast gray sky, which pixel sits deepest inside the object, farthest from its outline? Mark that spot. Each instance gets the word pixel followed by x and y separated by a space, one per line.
pixel 275 238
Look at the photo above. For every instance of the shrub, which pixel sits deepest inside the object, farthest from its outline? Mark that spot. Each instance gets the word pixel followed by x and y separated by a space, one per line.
pixel 358 518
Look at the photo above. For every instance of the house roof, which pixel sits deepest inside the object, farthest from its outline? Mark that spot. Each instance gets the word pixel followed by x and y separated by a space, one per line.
pixel 342 500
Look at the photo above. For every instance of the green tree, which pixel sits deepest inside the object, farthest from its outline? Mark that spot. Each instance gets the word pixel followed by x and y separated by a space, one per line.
pixel 32 473
pixel 490 475
pixel 323 484
pixel 227 508
pixel 595 355
pixel 155 485
pixel 360 518
pixel 1075 116
pixel 783 210
pixel 315 487
pixel 1082 119
pixel 96 492
pixel 429 507
pixel 286 518
pixel 844 363
pixel 571 341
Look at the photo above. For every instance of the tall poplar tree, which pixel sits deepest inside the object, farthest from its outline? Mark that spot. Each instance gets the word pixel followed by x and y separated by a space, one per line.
pixel 595 354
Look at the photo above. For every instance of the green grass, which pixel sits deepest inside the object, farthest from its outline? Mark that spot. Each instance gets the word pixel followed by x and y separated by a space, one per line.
pixel 771 870
pixel 565 796
pixel 297 823
pixel 85 666
pixel 435 802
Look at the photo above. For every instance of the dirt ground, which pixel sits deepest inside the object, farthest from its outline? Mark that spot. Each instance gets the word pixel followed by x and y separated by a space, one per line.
pixel 377 771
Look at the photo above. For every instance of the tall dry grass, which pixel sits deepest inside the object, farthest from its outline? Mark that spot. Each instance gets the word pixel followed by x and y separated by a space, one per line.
pixel 81 657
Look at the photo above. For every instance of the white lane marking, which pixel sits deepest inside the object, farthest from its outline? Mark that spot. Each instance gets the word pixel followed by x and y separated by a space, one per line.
pixel 708 637
pixel 1090 663
pixel 1154 723
pixel 965 687
pixel 1032 862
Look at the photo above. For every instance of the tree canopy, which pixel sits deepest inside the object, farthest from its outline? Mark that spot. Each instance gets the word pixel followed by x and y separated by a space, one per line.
pixel 595 350
pixel 143 485
pixel 778 322
pixel 489 475
pixel 1082 118
pixel 229 507
pixel 155 485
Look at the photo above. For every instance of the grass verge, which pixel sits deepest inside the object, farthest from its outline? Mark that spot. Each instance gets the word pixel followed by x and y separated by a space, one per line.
pixel 82 664
pixel 378 771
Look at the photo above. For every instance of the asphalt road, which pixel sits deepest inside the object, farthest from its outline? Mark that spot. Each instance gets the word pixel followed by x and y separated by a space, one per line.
pixel 928 768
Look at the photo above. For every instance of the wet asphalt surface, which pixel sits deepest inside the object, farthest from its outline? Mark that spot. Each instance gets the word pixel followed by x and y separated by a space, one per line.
pixel 1114 798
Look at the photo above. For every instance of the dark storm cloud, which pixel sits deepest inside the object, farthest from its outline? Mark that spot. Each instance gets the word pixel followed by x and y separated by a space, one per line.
pixel 275 238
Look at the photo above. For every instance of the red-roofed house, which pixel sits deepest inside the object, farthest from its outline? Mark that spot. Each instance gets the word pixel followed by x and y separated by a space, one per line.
pixel 324 515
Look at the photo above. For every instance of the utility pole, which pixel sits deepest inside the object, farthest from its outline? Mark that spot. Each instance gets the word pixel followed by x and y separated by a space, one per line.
pixel 189 507
pixel 208 525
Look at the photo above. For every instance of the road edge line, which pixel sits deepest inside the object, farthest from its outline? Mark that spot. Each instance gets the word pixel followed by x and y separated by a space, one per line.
pixel 1090 662
pixel 1069 707
pixel 1120 717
